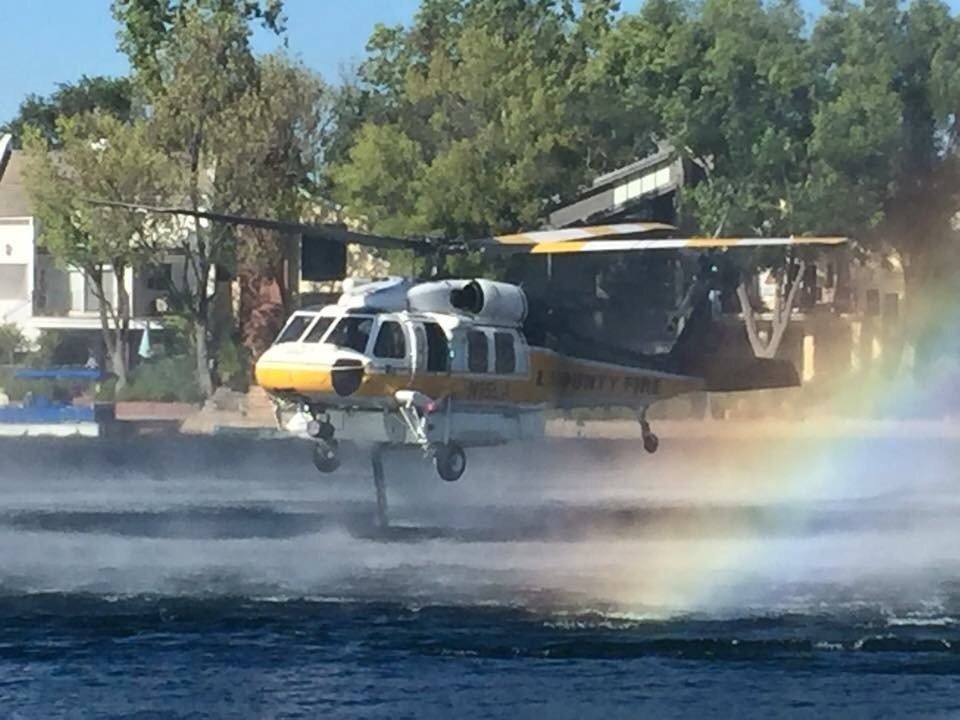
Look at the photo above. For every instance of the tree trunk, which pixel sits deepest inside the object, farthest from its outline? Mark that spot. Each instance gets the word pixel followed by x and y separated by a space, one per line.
pixel 261 311
pixel 113 337
pixel 202 350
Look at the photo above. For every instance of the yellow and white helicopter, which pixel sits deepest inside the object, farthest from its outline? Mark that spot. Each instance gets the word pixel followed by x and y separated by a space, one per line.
pixel 445 364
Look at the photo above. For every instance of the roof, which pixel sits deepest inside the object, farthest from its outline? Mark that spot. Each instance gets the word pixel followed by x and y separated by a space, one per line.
pixel 14 200
pixel 665 153
pixel 628 193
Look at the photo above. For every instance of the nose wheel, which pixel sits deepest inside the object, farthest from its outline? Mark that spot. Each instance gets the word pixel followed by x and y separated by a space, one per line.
pixel 326 456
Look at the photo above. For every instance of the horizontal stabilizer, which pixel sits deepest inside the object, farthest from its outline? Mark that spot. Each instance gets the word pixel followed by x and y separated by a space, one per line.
pixel 735 374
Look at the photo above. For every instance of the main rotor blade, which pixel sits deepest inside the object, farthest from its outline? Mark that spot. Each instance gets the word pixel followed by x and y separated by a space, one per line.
pixel 328 231
pixel 590 232
pixel 624 245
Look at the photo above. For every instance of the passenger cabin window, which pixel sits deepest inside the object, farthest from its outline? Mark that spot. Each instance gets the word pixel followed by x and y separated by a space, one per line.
pixel 294 328
pixel 477 351
pixel 505 356
pixel 319 330
pixel 351 333
pixel 438 349
pixel 390 341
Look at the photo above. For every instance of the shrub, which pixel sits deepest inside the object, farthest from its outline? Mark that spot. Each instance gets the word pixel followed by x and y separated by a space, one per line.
pixel 57 390
pixel 12 342
pixel 56 348
pixel 167 379
pixel 232 365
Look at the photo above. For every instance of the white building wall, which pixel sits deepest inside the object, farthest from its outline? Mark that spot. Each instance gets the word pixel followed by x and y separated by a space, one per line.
pixel 16 270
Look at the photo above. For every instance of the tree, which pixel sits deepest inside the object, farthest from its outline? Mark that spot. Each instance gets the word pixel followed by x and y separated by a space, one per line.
pixel 241 135
pixel 99 157
pixel 728 84
pixel 146 27
pixel 112 96
pixel 475 117
pixel 885 146
pixel 12 341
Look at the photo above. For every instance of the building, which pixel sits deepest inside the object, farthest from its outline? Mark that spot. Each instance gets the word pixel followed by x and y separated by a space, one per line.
pixel 644 190
pixel 38 295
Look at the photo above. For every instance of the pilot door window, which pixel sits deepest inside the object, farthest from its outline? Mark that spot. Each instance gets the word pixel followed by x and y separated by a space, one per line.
pixel 477 352
pixel 390 341
pixel 351 333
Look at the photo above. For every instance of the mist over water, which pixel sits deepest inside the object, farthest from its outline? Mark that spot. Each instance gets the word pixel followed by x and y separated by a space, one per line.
pixel 721 526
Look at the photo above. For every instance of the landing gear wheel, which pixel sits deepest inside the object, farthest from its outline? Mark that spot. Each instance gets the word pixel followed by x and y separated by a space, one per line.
pixel 450 461
pixel 651 442
pixel 325 456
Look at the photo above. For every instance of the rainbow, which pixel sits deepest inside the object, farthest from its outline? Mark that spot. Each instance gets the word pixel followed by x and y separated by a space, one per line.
pixel 834 455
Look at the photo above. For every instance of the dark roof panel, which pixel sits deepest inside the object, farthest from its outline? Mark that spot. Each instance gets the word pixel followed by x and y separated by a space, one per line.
pixel 14 200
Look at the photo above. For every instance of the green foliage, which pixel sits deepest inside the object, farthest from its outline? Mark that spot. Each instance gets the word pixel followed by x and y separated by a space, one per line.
pixel 12 343
pixel 483 113
pixel 147 26
pixel 241 135
pixel 19 389
pixel 111 96
pixel 104 158
pixel 472 118
pixel 233 366
pixel 58 348
pixel 168 379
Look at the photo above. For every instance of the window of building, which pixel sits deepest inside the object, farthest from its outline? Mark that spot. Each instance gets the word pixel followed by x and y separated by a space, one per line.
pixel 505 356
pixel 351 333
pixel 13 282
pixel 477 351
pixel 318 330
pixel 91 301
pixel 160 277
pixel 390 341
pixel 294 328
pixel 438 348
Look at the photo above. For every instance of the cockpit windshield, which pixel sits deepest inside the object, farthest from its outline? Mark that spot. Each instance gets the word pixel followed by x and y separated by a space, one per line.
pixel 351 332
pixel 295 328
pixel 318 330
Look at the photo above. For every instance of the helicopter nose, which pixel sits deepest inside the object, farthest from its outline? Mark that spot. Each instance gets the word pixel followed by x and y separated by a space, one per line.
pixel 346 376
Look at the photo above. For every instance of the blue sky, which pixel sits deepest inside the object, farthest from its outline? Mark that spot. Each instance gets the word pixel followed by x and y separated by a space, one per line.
pixel 49 41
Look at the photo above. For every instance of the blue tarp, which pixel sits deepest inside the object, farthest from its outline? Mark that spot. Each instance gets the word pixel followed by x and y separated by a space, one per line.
pixel 46 414
pixel 64 373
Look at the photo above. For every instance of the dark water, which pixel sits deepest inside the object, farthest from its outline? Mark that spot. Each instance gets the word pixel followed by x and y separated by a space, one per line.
pixel 84 656
pixel 170 579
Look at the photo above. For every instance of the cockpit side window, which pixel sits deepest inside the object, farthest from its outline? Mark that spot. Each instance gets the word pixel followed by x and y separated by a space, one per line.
pixel 319 330
pixel 390 341
pixel 294 328
pixel 505 356
pixel 351 332
pixel 438 348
